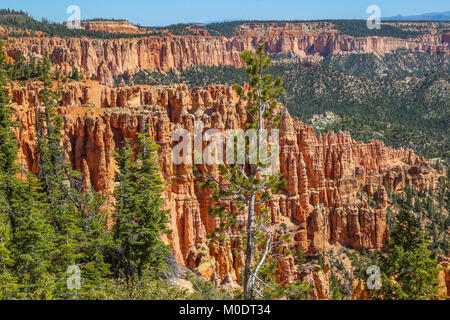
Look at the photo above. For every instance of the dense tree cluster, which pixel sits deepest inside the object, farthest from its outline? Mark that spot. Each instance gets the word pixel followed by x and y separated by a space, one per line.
pixel 21 69
pixel 433 207
pixel 409 267
pixel 50 226
pixel 356 28
pixel 400 63
pixel 21 20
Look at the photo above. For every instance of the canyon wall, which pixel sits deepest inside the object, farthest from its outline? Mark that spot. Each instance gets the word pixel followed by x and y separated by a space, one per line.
pixel 321 206
pixel 102 59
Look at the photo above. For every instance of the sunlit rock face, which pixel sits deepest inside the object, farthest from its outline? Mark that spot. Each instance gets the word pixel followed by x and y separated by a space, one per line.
pixel 102 59
pixel 320 206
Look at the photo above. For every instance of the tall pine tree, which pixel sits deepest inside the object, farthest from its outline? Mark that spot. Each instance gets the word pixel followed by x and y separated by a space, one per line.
pixel 78 218
pixel 139 220
pixel 408 268
pixel 244 190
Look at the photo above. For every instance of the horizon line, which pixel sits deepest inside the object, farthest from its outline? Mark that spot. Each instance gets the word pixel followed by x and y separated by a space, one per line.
pixel 401 18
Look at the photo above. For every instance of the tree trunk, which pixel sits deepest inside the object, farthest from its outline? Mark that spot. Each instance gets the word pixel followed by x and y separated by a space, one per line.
pixel 248 277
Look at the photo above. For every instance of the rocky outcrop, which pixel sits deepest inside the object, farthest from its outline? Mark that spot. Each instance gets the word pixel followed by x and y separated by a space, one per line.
pixel 321 205
pixel 319 281
pixel 103 59
pixel 112 26
pixel 444 276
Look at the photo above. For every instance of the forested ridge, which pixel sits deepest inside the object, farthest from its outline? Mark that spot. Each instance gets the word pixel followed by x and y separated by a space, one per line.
pixel 356 28
pixel 402 112
pixel 24 25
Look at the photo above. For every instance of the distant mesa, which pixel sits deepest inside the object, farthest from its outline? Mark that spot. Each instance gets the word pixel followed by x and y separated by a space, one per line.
pixel 112 26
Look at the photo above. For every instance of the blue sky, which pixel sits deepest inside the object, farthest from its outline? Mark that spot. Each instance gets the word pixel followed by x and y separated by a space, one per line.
pixel 165 12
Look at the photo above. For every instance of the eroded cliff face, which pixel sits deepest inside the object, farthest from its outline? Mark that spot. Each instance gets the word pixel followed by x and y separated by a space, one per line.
pixel 112 26
pixel 103 59
pixel 444 275
pixel 319 208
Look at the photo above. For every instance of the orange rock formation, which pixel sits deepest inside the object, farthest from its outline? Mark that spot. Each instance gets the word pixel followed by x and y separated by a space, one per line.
pixel 444 275
pixel 325 173
pixel 113 26
pixel 104 59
